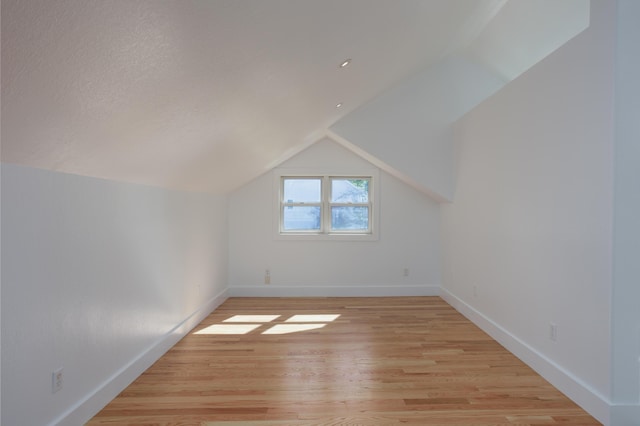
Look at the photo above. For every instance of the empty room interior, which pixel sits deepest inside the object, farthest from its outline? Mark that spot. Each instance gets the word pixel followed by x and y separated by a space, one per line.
pixel 297 174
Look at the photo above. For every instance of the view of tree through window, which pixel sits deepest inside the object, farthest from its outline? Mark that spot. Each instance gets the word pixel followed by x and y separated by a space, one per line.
pixel 349 204
pixel 344 200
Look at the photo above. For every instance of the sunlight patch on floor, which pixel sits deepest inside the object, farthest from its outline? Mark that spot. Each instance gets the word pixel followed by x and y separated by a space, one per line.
pixel 244 324
pixel 313 318
pixel 252 318
pixel 228 329
pixel 292 328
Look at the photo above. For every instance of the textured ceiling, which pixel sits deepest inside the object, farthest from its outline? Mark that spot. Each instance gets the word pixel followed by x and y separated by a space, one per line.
pixel 204 95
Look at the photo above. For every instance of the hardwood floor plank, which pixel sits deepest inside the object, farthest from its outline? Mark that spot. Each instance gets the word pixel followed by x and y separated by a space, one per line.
pixel 359 361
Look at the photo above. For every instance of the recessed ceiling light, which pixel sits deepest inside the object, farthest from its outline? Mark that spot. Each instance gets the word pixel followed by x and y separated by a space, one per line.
pixel 338 105
pixel 345 63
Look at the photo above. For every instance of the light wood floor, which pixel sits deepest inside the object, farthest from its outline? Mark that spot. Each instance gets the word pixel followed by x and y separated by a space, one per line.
pixel 382 361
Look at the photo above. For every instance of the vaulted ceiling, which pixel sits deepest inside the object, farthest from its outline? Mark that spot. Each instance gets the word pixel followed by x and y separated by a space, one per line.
pixel 206 95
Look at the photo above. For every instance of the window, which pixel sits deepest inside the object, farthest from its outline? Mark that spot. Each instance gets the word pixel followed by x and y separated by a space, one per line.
pixel 326 205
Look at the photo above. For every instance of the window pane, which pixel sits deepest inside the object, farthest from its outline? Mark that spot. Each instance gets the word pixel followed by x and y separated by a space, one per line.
pixel 301 218
pixel 350 218
pixel 349 190
pixel 302 190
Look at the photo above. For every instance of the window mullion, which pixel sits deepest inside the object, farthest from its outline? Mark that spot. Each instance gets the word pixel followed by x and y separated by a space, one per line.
pixel 326 210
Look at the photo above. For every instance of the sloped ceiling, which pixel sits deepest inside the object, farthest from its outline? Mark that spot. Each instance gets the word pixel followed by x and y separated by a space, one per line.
pixel 204 95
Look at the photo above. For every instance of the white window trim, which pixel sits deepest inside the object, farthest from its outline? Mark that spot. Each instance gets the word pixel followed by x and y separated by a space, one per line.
pixel 323 235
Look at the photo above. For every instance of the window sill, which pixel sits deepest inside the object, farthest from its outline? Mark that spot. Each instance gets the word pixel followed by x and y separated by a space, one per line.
pixel 325 237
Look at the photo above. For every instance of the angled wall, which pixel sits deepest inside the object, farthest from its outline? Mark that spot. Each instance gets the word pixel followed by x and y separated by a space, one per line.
pixel 528 238
pixel 523 32
pixel 98 278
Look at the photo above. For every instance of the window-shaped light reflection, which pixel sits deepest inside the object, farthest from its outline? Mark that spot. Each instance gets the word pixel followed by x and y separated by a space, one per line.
pixel 252 318
pixel 313 318
pixel 292 328
pixel 228 329
pixel 244 324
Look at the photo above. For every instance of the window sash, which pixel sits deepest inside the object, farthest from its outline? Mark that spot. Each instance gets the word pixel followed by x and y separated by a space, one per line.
pixel 332 204
pixel 333 179
pixel 350 230
pixel 311 179
pixel 286 206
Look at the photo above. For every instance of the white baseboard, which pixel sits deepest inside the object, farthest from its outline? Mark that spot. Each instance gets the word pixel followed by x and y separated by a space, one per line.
pixel 587 398
pixel 333 291
pixel 583 395
pixel 93 403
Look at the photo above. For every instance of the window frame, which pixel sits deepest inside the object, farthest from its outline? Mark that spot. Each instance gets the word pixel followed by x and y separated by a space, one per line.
pixel 325 232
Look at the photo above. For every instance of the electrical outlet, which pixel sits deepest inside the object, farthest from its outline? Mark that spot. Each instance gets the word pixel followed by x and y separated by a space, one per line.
pixel 553 332
pixel 405 272
pixel 56 380
pixel 267 276
pixel 475 291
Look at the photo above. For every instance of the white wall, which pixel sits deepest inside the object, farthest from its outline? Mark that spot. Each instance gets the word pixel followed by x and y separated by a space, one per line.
pixel 531 223
pixel 99 278
pixel 626 274
pixel 408 238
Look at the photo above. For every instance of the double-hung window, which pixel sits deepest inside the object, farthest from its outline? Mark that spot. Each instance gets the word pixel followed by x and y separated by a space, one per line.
pixel 326 205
